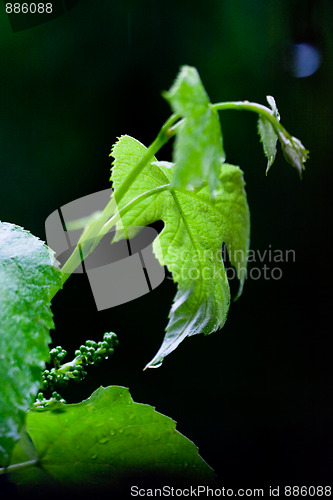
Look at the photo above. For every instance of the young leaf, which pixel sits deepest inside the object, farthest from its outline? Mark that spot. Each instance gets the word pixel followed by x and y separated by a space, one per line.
pixel 106 441
pixel 267 134
pixel 199 150
pixel 27 272
pixel 191 241
pixel 294 152
pixel 271 101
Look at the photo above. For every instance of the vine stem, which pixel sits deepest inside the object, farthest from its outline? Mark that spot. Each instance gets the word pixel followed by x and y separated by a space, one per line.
pixel 161 139
pixel 76 259
pixel 256 108
pixel 93 233
pixel 117 216
pixel 16 467
pixel 242 106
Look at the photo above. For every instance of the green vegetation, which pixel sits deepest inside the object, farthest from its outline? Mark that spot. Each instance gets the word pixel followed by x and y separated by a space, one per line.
pixel 202 202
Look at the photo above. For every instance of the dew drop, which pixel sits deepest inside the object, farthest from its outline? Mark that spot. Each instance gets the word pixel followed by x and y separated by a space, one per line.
pixel 112 433
pixel 93 456
pixel 103 440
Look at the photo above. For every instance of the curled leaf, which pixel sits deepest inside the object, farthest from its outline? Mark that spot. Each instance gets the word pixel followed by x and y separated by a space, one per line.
pixel 268 138
pixel 271 101
pixel 294 152
pixel 268 135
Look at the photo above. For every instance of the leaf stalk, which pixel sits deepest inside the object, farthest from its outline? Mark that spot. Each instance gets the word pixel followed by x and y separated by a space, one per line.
pixel 20 466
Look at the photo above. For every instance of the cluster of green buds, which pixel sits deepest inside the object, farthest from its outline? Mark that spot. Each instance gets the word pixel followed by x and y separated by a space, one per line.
pixel 91 353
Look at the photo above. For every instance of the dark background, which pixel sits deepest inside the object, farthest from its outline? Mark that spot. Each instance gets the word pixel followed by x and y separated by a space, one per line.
pixel 255 397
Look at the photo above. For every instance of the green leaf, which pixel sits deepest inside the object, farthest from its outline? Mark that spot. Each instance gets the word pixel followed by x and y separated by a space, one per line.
pixel 267 134
pixel 268 138
pixel 106 441
pixel 191 241
pixel 27 274
pixel 199 150
pixel 294 152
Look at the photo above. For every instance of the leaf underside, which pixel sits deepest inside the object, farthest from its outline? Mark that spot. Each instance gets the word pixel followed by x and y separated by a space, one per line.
pixel 269 139
pixel 27 272
pixel 190 244
pixel 106 441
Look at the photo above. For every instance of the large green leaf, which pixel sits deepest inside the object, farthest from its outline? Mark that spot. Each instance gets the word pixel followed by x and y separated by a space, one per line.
pixel 107 441
pixel 198 151
pixel 27 273
pixel 191 241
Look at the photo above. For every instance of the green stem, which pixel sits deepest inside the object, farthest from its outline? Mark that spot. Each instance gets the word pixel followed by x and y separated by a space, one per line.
pixel 241 106
pixel 81 251
pixel 76 257
pixel 93 233
pixel 16 467
pixel 113 221
pixel 161 139
pixel 66 367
